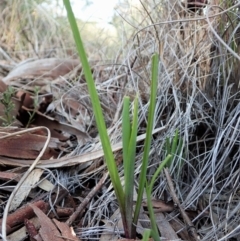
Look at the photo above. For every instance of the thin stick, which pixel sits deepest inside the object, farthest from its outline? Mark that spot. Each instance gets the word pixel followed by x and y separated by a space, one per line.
pixel 191 229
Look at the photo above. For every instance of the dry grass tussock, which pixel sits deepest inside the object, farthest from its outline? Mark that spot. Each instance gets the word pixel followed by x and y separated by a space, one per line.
pixel 198 93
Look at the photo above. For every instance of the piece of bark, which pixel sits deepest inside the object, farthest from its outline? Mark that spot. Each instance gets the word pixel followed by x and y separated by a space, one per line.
pixel 9 176
pixel 64 212
pixel 21 234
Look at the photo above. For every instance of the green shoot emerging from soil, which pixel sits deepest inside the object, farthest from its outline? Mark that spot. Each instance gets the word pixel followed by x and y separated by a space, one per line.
pixel 124 193
pixel 7 102
pixel 35 105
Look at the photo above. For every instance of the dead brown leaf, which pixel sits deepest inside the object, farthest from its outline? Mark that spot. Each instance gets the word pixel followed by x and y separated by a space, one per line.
pixel 61 130
pixel 67 232
pixel 51 68
pixel 28 146
pixel 26 98
pixel 71 160
pixel 9 176
pixel 48 230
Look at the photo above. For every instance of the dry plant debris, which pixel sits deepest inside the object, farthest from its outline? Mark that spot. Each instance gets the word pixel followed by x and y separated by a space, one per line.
pixel 198 93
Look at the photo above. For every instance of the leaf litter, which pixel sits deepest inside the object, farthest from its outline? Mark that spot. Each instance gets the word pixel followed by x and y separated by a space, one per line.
pixel 195 95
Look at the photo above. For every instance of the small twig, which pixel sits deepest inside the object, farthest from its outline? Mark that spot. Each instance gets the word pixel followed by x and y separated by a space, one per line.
pixel 86 201
pixel 154 26
pixel 191 229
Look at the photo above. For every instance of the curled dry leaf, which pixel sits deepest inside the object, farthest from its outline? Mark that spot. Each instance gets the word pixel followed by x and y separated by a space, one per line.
pixel 26 98
pixel 60 130
pixel 51 68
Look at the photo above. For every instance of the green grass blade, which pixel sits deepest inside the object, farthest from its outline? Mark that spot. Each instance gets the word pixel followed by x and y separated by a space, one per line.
pixel 147 144
pixel 175 143
pixel 155 233
pixel 154 228
pixel 157 172
pixel 146 235
pixel 172 148
pixel 113 172
pixel 168 147
pixel 129 171
pixel 126 130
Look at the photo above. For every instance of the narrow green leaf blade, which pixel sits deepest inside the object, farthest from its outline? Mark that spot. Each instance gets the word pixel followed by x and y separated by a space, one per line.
pixel 109 158
pixel 129 165
pixel 175 142
pixel 147 144
pixel 154 229
pixel 126 130
pixel 146 235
